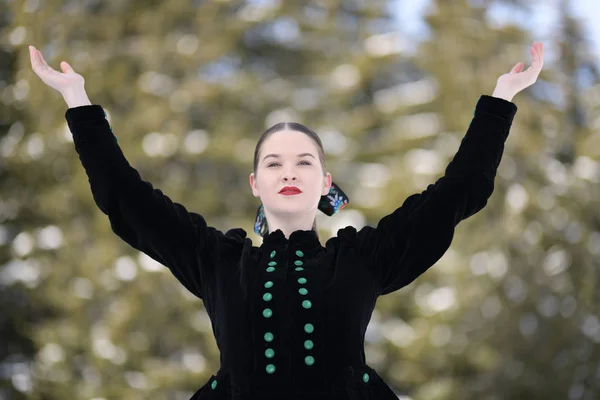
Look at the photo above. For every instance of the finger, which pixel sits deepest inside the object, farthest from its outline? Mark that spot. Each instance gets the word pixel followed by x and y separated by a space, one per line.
pixel 38 59
pixel 44 64
pixel 32 57
pixel 35 61
pixel 533 52
pixel 66 67
pixel 536 58
pixel 540 49
pixel 517 68
pixel 41 66
pixel 520 67
pixel 42 59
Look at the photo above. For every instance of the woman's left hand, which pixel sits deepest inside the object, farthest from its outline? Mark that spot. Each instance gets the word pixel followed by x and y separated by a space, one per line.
pixel 508 85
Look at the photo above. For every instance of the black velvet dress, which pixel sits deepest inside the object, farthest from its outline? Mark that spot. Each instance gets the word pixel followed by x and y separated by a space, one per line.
pixel 289 315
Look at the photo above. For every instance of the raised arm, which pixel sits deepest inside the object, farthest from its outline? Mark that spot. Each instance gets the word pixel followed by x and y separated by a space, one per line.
pixel 142 216
pixel 415 236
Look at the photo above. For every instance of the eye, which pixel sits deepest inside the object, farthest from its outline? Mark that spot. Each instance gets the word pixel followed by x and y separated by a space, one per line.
pixel 301 162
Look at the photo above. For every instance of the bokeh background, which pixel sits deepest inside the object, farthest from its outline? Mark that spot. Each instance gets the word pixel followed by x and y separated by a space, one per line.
pixel 511 311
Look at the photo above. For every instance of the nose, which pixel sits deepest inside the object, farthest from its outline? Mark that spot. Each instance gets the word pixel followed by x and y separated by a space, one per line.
pixel 289 176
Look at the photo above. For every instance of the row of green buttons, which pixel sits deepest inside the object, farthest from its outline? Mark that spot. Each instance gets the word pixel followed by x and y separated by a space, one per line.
pixel 308 328
pixel 268 313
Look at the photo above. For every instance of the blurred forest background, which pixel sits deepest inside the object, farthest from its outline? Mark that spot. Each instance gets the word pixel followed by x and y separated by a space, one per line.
pixel 510 312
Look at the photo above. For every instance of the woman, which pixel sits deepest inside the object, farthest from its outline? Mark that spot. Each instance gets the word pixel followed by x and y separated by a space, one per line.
pixel 290 316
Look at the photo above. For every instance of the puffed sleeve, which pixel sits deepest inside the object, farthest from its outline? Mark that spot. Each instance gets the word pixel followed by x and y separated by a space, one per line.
pixel 139 214
pixel 411 239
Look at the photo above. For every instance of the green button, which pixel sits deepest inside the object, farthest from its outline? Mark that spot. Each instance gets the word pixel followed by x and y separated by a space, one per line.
pixel 299 253
pixel 298 262
pixel 268 284
pixel 309 328
pixel 270 269
pixel 366 378
pixel 273 254
pixel 268 337
pixel 309 360
pixel 269 353
pixel 302 291
pixel 308 344
pixel 272 263
pixel 267 313
pixel 306 304
pixel 270 369
pixel 213 384
pixel 267 297
pixel 302 280
pixel 299 269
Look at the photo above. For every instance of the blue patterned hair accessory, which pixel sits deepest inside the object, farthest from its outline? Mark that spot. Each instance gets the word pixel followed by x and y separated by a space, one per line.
pixel 329 204
pixel 260 223
pixel 333 201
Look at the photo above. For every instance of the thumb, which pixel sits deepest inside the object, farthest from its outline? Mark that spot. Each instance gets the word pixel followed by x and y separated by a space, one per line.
pixel 517 68
pixel 66 67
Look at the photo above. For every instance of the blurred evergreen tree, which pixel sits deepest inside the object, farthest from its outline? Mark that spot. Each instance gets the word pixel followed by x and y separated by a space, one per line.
pixel 20 307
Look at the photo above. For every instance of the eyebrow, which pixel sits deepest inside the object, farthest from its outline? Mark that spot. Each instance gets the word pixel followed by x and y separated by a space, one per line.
pixel 278 156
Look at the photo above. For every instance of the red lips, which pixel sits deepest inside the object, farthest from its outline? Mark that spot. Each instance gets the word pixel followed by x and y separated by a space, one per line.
pixel 290 190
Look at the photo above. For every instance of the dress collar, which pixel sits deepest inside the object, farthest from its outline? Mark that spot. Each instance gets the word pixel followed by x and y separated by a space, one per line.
pixel 300 238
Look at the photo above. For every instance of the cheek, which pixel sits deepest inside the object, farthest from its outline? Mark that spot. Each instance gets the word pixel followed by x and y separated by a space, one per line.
pixel 317 187
pixel 265 184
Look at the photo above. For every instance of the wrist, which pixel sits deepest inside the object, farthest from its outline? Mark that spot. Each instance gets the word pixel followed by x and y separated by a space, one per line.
pixel 501 93
pixel 76 97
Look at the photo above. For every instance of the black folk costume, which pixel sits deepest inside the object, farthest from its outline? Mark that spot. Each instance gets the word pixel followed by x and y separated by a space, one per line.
pixel 289 316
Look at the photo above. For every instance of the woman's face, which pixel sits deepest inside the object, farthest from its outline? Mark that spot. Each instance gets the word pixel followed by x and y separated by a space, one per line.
pixel 289 158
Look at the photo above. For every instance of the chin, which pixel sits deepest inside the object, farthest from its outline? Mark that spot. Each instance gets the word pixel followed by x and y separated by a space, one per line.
pixel 291 208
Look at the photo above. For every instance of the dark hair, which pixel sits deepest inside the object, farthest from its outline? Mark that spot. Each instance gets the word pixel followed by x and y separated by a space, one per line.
pixel 293 126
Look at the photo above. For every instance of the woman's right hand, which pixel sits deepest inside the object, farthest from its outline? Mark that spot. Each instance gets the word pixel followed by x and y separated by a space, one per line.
pixel 65 81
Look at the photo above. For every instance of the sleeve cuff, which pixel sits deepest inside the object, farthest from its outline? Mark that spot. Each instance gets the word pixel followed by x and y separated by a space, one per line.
pixel 496 106
pixel 82 113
